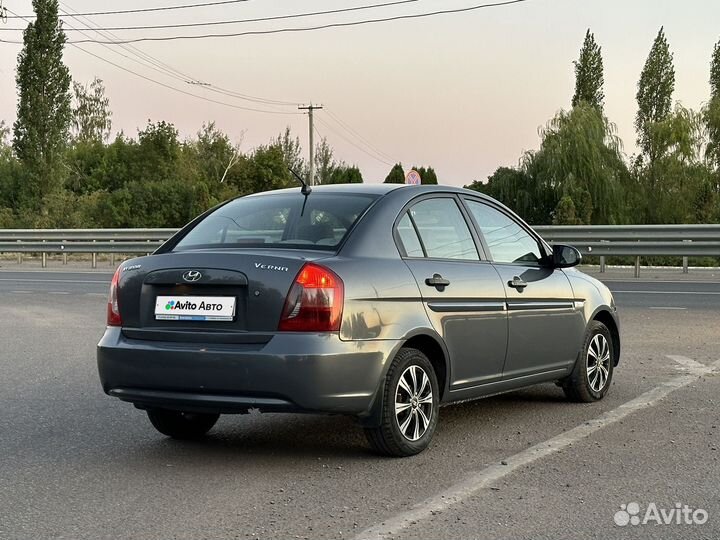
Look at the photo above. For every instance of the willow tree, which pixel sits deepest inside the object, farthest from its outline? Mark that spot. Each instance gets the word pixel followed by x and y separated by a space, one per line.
pixel 515 188
pixel 44 110
pixel 581 158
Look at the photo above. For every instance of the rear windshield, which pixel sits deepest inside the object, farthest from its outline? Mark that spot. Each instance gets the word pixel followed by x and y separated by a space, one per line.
pixel 318 221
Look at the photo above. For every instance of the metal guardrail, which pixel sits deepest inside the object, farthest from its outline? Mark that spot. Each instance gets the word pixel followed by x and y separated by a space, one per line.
pixel 88 235
pixel 629 233
pixel 92 241
pixel 638 240
pixel 597 240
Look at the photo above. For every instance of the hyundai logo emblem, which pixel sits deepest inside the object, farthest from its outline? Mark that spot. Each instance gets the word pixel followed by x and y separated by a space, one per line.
pixel 192 276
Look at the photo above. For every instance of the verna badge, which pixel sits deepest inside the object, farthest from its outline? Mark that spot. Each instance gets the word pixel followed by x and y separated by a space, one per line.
pixel 192 276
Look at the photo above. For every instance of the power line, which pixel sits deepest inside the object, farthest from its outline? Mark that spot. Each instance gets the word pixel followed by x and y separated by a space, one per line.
pixel 137 55
pixel 159 83
pixel 143 10
pixel 349 141
pixel 258 19
pixel 358 136
pixel 301 29
pixel 166 69
pixel 169 87
pixel 142 58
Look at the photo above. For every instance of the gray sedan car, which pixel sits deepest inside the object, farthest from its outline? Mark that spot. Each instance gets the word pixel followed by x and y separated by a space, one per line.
pixel 383 302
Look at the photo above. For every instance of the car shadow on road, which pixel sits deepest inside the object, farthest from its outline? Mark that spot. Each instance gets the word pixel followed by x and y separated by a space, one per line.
pixel 280 437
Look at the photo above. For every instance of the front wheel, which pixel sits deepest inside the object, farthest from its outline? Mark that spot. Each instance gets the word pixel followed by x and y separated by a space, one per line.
pixel 410 406
pixel 181 425
pixel 592 375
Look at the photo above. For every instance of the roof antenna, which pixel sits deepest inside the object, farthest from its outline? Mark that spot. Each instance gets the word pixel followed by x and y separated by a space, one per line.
pixel 306 190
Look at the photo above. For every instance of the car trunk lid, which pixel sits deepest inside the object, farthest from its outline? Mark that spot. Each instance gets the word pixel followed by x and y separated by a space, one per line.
pixel 255 281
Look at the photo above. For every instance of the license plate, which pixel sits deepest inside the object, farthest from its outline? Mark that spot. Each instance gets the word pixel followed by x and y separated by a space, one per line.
pixel 195 308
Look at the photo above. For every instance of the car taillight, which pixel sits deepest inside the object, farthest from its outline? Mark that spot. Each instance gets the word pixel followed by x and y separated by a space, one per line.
pixel 315 301
pixel 113 311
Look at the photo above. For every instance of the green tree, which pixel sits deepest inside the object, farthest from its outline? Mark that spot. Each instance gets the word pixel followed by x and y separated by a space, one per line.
pixel 589 77
pixel 515 188
pixel 344 174
pixel 654 95
pixel 158 151
pixel 214 155
pixel 675 182
pixel 581 157
pixel 4 133
pixel 9 175
pixel 292 151
pixel 427 176
pixel 264 170
pixel 324 162
pixel 83 161
pixel 712 113
pixel 396 175
pixel 579 160
pixel 92 117
pixel 565 213
pixel 44 110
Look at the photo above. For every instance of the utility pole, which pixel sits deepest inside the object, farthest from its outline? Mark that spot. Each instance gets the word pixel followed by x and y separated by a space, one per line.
pixel 310 109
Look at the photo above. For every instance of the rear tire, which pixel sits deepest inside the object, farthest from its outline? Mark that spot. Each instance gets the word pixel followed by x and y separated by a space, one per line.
pixel 182 425
pixel 410 406
pixel 593 372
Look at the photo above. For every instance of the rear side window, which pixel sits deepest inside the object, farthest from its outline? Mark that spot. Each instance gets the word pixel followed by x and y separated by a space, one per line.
pixel 409 238
pixel 443 230
pixel 320 221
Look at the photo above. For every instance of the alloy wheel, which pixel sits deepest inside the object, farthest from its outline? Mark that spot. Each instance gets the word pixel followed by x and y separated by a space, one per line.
pixel 413 403
pixel 598 362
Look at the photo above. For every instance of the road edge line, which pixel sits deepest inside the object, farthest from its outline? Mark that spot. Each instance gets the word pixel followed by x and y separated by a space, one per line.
pixel 482 479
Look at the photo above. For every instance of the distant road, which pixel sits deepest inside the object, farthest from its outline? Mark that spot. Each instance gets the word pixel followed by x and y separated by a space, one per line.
pixel 33 281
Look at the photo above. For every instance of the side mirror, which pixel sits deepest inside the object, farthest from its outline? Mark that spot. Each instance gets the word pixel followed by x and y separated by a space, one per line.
pixel 565 256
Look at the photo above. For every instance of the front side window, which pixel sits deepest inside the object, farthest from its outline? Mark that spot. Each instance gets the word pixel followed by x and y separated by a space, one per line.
pixel 285 220
pixel 443 230
pixel 506 239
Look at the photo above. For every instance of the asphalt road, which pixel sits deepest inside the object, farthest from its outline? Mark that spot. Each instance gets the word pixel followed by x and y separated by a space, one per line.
pixel 76 464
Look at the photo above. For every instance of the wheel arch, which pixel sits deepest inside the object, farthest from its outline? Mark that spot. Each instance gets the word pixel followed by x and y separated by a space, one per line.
pixel 432 347
pixel 604 316
pixel 429 343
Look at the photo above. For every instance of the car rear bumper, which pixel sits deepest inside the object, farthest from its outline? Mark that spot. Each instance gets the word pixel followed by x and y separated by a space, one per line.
pixel 291 372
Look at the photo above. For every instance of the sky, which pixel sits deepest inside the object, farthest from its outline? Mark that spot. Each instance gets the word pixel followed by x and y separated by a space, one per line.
pixel 463 93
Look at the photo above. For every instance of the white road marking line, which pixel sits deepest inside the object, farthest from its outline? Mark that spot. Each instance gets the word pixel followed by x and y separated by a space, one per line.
pixel 688 364
pixel 53 280
pixel 58 292
pixel 21 292
pixel 663 307
pixel 486 477
pixel 666 292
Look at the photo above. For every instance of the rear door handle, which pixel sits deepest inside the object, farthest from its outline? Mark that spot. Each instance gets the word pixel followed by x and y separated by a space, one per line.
pixel 517 283
pixel 438 282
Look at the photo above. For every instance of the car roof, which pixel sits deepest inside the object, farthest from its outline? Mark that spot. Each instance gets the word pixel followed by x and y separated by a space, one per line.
pixel 378 189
